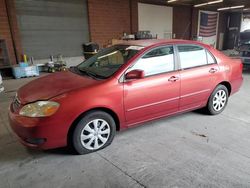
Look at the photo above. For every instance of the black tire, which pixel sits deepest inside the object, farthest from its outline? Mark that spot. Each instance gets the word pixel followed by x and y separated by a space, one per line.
pixel 210 108
pixel 80 127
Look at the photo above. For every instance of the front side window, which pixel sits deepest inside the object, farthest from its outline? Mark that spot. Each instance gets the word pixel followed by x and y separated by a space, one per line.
pixel 157 61
pixel 106 62
pixel 192 56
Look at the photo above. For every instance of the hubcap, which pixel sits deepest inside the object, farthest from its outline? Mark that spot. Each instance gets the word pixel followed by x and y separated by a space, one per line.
pixel 95 134
pixel 219 100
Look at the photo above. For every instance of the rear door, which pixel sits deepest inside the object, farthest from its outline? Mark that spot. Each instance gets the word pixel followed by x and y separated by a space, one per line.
pixel 157 94
pixel 199 72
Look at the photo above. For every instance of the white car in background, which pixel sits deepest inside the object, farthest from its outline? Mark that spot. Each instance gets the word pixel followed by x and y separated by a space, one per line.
pixel 1 82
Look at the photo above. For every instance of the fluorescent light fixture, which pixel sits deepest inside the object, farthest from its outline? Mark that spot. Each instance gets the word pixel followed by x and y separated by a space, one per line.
pixel 214 2
pixel 229 8
pixel 225 8
pixel 200 5
pixel 170 1
pixel 208 3
pixel 245 9
pixel 241 6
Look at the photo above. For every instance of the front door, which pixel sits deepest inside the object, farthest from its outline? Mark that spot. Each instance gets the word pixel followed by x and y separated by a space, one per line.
pixel 157 94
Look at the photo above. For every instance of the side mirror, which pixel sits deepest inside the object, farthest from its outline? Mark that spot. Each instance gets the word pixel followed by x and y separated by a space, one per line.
pixel 134 74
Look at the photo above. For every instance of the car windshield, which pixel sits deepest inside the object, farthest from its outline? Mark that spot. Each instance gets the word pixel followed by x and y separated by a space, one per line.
pixel 107 61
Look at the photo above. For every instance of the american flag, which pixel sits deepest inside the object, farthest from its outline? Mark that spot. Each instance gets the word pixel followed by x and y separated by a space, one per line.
pixel 208 24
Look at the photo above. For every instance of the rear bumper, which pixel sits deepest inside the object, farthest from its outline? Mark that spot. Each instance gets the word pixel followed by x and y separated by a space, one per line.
pixel 236 85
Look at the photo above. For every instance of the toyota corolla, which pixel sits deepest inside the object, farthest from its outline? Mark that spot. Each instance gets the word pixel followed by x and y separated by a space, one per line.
pixel 119 87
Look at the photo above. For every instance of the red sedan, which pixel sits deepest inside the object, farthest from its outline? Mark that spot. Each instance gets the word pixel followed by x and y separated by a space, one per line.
pixel 120 87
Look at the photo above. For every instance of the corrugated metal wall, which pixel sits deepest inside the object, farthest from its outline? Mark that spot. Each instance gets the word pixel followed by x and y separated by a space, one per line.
pixel 51 27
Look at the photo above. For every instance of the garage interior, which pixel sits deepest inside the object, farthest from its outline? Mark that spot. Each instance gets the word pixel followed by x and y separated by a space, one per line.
pixel 188 150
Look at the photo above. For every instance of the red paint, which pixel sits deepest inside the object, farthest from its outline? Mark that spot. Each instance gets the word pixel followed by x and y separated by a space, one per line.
pixel 133 101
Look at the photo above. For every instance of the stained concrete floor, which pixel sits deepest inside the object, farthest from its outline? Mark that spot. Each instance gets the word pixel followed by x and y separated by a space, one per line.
pixel 189 150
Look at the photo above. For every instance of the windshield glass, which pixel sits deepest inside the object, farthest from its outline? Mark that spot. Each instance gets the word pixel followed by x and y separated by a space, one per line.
pixel 106 62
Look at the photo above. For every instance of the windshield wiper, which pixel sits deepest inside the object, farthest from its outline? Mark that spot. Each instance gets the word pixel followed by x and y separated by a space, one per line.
pixel 91 74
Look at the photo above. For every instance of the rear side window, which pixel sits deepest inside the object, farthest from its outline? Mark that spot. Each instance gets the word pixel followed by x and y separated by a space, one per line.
pixel 157 61
pixel 192 56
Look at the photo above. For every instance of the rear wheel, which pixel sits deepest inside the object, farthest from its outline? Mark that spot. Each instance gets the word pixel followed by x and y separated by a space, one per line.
pixel 93 132
pixel 218 100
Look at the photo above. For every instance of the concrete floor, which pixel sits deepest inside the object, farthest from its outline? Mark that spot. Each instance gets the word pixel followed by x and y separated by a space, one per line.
pixel 189 150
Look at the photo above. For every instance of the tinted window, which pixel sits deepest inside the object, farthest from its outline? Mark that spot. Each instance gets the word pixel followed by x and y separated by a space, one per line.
pixel 157 61
pixel 192 56
pixel 210 58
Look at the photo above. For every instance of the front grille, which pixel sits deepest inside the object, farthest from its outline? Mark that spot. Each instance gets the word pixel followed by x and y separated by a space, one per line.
pixel 16 104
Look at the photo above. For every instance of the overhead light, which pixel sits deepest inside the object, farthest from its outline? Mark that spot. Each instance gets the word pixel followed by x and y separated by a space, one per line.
pixel 229 8
pixel 240 6
pixel 246 9
pixel 199 5
pixel 225 8
pixel 214 2
pixel 171 1
pixel 208 3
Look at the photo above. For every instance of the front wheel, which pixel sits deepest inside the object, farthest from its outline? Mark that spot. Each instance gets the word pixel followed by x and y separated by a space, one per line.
pixel 217 100
pixel 93 132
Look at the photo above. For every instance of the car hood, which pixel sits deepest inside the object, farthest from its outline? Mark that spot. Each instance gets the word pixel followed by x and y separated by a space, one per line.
pixel 53 85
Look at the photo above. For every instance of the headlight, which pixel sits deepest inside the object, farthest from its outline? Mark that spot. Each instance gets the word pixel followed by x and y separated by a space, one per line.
pixel 39 109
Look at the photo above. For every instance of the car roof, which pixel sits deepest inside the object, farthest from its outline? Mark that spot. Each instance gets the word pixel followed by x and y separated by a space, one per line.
pixel 152 42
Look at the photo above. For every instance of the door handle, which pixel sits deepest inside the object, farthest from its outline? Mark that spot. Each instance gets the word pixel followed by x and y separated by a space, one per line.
pixel 173 79
pixel 213 70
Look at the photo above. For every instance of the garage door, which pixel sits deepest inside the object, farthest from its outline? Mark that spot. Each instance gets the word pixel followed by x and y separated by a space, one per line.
pixel 52 27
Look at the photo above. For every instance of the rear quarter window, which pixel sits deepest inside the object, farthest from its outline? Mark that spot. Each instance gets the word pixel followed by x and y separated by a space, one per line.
pixel 210 58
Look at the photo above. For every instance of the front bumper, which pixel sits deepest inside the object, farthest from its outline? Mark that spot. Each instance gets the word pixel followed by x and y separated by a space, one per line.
pixel 26 130
pixel 42 133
